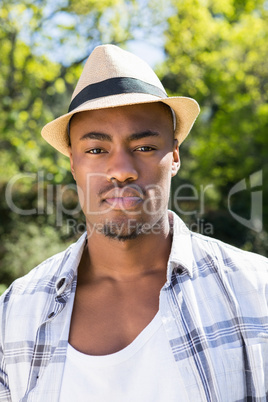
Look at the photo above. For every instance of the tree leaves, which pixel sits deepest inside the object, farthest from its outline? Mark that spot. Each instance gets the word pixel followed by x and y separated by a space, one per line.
pixel 217 53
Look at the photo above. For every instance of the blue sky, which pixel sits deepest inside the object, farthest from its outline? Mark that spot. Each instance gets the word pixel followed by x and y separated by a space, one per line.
pixel 150 53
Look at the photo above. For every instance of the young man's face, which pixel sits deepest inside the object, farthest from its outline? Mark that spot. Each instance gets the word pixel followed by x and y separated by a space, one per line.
pixel 122 160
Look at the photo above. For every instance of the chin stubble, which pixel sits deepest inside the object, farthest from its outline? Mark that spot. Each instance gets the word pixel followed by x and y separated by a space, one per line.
pixel 122 233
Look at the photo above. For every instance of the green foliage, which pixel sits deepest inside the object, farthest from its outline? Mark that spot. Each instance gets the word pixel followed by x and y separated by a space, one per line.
pixel 2 288
pixel 216 52
pixel 43 47
pixel 33 245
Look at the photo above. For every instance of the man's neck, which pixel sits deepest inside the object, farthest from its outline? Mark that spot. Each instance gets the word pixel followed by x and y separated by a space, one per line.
pixel 118 289
pixel 129 259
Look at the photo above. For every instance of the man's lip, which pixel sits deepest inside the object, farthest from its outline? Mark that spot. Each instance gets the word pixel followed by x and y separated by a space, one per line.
pixel 122 193
pixel 127 202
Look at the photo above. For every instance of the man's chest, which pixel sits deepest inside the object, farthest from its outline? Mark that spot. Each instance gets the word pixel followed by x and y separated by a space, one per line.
pixel 109 317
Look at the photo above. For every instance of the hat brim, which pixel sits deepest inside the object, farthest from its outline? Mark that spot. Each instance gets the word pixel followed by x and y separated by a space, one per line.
pixel 185 109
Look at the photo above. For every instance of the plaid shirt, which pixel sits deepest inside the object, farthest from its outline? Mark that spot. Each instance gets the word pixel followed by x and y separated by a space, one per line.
pixel 213 307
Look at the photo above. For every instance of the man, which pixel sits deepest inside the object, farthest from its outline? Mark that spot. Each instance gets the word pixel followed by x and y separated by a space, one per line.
pixel 140 308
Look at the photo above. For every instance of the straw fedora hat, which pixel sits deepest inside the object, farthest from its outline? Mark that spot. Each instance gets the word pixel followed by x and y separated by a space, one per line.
pixel 114 77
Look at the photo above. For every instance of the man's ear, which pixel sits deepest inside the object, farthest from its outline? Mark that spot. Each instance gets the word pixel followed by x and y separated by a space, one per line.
pixel 176 163
pixel 71 162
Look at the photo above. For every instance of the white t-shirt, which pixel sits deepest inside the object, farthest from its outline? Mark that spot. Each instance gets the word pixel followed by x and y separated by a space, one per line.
pixel 144 371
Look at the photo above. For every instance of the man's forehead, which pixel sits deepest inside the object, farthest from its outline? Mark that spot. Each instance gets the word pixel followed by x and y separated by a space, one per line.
pixel 148 111
pixel 150 108
pixel 144 120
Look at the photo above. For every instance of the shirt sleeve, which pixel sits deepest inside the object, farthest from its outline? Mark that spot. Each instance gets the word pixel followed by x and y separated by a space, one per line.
pixel 5 395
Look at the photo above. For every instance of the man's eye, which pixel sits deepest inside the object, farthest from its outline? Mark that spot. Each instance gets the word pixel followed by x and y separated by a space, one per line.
pixel 95 151
pixel 145 149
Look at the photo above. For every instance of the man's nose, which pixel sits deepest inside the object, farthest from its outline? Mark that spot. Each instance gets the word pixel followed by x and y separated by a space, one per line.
pixel 121 167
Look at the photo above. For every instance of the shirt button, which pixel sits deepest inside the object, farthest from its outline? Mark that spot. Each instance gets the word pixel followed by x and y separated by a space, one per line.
pixel 179 270
pixel 61 283
pixel 51 315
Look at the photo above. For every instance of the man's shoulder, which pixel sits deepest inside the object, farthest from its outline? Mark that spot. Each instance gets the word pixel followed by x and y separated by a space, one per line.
pixel 228 257
pixel 205 254
pixel 46 274
pixel 47 269
pixel 240 275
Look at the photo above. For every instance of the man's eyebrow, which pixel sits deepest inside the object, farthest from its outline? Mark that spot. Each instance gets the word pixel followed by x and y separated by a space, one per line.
pixel 143 134
pixel 106 137
pixel 96 136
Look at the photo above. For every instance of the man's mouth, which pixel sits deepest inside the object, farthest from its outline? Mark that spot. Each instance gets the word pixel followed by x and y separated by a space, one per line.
pixel 124 198
pixel 123 202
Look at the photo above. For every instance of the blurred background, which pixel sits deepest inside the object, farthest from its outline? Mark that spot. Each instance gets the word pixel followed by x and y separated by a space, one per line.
pixel 212 50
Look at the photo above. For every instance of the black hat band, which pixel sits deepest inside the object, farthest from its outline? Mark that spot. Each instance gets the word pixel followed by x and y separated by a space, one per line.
pixel 115 86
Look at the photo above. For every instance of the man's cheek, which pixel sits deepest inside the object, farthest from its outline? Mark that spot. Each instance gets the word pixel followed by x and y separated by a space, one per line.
pixel 154 199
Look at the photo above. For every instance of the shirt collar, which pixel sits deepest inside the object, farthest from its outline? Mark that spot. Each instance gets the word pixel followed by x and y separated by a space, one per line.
pixel 181 254
pixel 70 263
